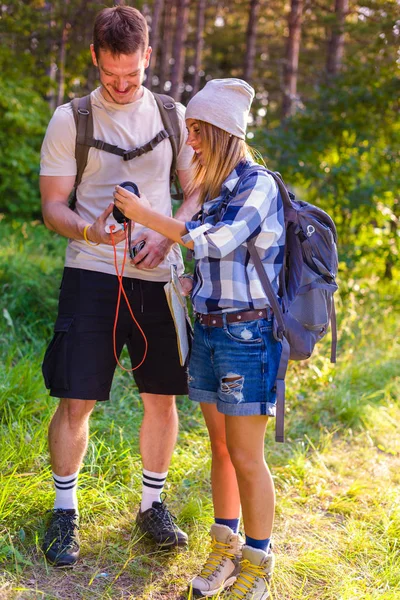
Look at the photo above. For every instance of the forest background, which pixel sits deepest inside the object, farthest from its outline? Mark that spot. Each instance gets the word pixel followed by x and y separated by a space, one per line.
pixel 326 116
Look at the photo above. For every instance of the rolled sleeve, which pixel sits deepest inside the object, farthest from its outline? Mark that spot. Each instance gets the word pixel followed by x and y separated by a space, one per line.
pixel 196 234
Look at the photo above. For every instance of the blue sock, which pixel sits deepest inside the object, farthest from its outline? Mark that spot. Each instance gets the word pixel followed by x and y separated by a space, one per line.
pixel 232 523
pixel 259 544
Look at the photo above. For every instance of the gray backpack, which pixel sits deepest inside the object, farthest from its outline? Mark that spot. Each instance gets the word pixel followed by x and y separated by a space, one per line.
pixel 305 307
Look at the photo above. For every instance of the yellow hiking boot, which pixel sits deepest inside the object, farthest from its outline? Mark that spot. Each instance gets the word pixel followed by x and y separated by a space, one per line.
pixel 254 577
pixel 222 565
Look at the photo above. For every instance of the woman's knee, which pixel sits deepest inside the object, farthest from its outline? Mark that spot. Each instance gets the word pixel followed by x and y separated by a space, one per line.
pixel 245 462
pixel 219 449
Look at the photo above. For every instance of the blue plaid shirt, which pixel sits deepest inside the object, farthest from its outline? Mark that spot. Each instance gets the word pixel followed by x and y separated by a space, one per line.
pixel 225 278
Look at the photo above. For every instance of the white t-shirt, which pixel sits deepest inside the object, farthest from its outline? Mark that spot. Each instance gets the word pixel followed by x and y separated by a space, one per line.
pixel 127 126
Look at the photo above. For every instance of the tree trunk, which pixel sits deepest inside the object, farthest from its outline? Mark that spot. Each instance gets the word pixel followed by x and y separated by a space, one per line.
pixel 154 40
pixel 166 47
pixel 199 44
pixel 182 17
pixel 61 67
pixel 290 70
pixel 251 35
pixel 336 42
pixel 51 71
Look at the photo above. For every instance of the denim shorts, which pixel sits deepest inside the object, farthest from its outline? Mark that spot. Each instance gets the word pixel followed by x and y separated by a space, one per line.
pixel 235 367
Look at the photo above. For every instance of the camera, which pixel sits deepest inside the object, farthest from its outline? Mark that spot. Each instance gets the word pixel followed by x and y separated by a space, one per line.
pixel 131 187
pixel 136 249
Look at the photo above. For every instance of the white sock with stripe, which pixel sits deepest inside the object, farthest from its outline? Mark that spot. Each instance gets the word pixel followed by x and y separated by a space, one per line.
pixel 153 484
pixel 65 488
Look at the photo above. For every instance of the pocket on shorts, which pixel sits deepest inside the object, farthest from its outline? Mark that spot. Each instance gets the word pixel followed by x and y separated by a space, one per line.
pixel 244 333
pixel 55 367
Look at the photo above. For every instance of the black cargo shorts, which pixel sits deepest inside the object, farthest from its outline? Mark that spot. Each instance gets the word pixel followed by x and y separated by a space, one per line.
pixel 79 361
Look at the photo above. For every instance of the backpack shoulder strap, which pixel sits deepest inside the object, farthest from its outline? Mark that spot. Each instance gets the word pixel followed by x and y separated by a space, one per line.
pixel 287 203
pixel 169 116
pixel 280 334
pixel 268 289
pixel 83 116
pixel 280 325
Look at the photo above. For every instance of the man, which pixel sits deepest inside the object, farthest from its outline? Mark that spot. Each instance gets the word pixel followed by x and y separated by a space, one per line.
pixel 79 363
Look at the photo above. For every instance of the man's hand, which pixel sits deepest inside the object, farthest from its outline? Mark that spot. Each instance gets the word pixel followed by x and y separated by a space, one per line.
pixel 97 232
pixel 154 251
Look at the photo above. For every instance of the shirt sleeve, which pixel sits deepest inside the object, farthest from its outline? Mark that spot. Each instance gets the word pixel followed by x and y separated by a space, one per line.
pixel 57 155
pixel 254 205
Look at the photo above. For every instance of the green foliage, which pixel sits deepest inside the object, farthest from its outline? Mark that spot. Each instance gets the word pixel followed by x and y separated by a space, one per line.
pixel 341 153
pixel 30 263
pixel 24 116
pixel 337 478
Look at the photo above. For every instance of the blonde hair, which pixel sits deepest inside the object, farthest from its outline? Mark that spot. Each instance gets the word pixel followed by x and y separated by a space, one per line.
pixel 221 152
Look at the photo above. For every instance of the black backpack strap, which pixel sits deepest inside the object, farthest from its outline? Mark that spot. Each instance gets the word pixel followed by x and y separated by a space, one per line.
pixel 169 116
pixel 83 116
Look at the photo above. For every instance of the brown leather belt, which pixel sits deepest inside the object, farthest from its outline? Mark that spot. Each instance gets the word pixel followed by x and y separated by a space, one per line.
pixel 236 317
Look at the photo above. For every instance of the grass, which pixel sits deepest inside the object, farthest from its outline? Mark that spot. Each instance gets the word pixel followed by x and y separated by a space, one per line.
pixel 338 478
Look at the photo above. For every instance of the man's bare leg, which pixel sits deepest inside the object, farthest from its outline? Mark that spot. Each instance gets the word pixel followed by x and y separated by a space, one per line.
pixel 158 432
pixel 158 435
pixel 68 439
pixel 69 434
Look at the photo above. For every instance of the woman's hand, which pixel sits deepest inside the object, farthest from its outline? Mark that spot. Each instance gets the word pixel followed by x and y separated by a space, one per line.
pixel 133 207
pixel 139 210
pixel 187 285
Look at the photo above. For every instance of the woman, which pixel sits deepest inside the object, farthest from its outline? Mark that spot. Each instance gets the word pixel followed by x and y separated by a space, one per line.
pixel 235 356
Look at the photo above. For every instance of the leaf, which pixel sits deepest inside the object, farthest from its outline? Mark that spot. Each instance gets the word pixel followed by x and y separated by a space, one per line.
pixel 8 318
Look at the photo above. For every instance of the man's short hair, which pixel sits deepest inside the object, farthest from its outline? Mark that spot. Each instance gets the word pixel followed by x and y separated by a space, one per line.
pixel 120 30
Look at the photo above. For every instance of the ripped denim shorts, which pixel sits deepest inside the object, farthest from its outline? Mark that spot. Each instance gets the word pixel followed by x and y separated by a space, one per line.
pixel 235 367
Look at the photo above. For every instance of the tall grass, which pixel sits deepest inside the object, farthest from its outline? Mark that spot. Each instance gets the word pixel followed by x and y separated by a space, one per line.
pixel 338 513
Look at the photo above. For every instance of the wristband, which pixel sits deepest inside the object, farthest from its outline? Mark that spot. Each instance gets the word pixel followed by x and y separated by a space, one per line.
pixel 187 276
pixel 85 237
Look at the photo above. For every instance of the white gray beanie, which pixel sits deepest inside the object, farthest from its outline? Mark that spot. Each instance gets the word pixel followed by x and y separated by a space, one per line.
pixel 224 103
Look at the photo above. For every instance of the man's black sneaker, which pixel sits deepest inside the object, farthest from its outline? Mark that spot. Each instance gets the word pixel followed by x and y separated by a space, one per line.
pixel 61 540
pixel 158 523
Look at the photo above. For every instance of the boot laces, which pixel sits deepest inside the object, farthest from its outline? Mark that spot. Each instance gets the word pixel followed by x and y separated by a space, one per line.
pixel 161 517
pixel 247 577
pixel 63 526
pixel 219 552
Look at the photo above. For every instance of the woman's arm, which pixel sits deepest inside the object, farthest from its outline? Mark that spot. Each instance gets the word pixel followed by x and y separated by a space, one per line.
pixel 139 211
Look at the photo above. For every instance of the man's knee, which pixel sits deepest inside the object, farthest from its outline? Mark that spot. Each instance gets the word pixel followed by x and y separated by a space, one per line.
pixel 75 412
pixel 158 406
